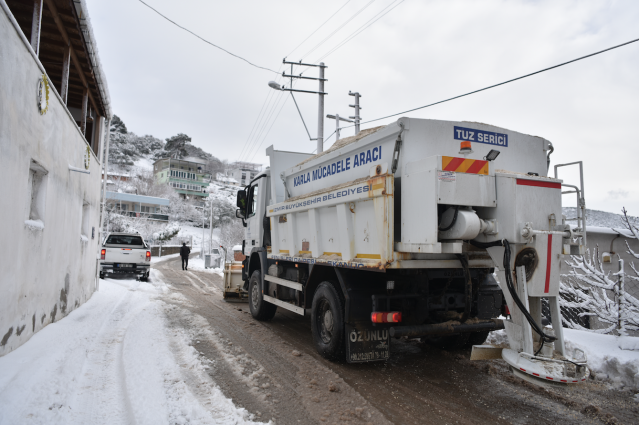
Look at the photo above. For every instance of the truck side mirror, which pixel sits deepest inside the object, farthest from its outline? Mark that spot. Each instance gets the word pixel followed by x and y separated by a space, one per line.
pixel 241 213
pixel 241 200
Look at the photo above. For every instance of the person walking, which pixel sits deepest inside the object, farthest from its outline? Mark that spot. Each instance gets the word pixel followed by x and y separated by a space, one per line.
pixel 184 253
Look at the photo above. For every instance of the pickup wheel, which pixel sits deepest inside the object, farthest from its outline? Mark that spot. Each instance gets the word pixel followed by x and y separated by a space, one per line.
pixel 260 309
pixel 327 322
pixel 101 275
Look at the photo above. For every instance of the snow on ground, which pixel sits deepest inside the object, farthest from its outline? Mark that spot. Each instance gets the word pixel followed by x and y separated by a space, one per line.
pixel 113 360
pixel 196 232
pixel 144 163
pixel 155 259
pixel 197 263
pixel 609 362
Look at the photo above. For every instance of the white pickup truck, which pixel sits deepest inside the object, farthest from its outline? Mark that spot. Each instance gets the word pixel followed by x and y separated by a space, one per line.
pixel 125 253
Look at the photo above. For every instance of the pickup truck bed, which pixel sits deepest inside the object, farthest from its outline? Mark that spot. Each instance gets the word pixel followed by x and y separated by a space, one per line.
pixel 125 253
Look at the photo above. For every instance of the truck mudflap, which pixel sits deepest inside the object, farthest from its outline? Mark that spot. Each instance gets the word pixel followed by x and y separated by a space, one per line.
pixel 366 343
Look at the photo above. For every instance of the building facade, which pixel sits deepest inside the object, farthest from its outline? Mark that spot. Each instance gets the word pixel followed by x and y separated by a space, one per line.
pixel 188 177
pixel 54 113
pixel 244 172
pixel 131 205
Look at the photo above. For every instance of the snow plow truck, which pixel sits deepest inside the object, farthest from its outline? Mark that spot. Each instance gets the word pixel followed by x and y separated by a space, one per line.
pixel 421 228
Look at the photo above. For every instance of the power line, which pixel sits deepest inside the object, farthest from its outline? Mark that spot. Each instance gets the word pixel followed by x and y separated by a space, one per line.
pixel 331 17
pixel 206 41
pixel 269 130
pixel 339 28
pixel 505 82
pixel 361 29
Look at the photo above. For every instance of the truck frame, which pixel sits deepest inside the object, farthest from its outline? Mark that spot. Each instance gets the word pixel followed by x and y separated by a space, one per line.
pixel 410 230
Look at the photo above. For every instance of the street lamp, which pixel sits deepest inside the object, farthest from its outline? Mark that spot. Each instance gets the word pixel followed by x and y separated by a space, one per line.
pixel 321 93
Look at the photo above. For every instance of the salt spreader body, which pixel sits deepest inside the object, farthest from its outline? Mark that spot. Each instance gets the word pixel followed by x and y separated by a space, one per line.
pixel 420 228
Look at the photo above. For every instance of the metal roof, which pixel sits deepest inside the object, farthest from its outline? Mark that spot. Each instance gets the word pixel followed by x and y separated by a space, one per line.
pixel 129 197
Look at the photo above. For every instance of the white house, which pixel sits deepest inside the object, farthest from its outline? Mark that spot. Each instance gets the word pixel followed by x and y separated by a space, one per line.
pixel 54 114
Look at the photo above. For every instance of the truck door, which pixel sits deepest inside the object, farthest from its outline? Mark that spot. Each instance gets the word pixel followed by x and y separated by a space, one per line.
pixel 255 212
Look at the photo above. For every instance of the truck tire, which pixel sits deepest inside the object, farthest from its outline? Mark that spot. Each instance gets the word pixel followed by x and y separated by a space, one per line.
pixel 260 309
pixel 327 322
pixel 101 275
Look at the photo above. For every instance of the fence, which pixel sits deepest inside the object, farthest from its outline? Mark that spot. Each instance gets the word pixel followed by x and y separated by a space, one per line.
pixel 600 291
pixel 167 247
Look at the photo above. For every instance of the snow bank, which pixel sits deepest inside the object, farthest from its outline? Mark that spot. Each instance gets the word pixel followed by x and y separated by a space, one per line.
pixel 606 359
pixel 113 360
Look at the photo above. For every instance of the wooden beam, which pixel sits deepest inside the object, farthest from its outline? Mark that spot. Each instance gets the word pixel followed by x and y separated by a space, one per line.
pixel 36 23
pixel 74 57
pixel 83 123
pixel 66 58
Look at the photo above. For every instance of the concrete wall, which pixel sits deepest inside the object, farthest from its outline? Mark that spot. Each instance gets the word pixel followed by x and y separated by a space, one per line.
pixel 44 272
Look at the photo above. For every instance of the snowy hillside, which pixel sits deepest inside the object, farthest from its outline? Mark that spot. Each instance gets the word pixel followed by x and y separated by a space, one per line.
pixel 127 149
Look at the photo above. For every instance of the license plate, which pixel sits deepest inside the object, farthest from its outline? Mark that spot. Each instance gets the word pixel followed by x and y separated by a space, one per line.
pixel 366 344
pixel 124 265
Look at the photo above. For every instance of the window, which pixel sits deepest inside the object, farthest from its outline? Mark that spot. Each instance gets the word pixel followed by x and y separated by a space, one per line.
pixel 145 209
pixel 253 200
pixel 124 240
pixel 124 207
pixel 37 191
pixel 86 213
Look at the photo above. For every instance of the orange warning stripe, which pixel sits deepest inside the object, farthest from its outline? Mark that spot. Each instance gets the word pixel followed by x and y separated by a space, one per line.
pixel 461 165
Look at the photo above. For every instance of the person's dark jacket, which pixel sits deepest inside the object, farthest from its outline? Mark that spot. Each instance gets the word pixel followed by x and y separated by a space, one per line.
pixel 185 251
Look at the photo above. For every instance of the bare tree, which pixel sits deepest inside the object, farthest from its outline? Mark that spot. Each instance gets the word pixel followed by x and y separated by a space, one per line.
pixel 231 234
pixel 591 291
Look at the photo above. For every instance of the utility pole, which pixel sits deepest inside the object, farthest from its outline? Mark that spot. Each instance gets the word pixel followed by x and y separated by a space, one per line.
pixel 320 114
pixel 357 118
pixel 321 93
pixel 337 119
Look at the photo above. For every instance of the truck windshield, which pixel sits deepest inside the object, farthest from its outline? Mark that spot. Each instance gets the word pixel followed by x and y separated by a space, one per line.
pixel 124 240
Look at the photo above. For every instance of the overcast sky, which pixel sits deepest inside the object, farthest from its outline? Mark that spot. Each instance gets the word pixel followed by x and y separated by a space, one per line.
pixel 164 81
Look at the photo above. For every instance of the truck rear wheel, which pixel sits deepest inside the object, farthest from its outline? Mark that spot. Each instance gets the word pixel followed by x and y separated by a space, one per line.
pixel 327 322
pixel 260 309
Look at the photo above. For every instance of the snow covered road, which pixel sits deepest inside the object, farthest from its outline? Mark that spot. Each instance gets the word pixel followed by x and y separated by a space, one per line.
pixel 173 351
pixel 113 361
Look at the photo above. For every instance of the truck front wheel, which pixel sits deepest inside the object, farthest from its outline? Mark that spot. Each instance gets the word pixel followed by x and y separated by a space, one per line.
pixel 327 322
pixel 260 309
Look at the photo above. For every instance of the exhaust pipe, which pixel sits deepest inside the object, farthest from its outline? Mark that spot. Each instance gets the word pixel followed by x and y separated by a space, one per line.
pixel 446 328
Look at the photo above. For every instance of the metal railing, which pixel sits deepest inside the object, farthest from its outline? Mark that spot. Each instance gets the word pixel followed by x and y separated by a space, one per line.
pixel 147 215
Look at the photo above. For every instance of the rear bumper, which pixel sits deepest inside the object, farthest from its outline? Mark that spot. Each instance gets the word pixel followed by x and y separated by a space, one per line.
pixel 139 269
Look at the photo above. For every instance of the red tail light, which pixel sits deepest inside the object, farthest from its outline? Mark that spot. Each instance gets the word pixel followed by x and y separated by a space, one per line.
pixel 102 254
pixel 148 256
pixel 506 310
pixel 386 317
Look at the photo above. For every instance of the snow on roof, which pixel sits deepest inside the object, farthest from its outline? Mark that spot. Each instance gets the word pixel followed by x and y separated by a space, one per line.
pixel 193 159
pixel 129 197
pixel 92 50
pixel 237 248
